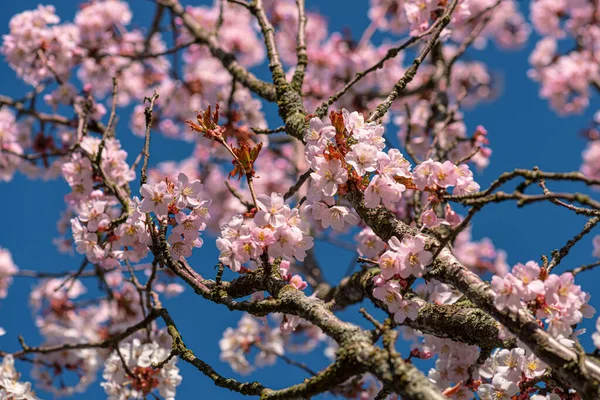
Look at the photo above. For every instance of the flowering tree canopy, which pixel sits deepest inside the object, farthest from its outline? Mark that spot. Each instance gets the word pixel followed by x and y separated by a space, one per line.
pixel 372 153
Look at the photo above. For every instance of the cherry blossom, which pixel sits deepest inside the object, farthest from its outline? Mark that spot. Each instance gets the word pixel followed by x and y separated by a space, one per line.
pixel 156 198
pixel 10 386
pixel 507 292
pixel 328 176
pixel 188 193
pixel 341 125
pixel 7 268
pixel 139 358
pixel 363 158
pixel 271 212
pixel 500 389
pixel 413 258
pixel 369 244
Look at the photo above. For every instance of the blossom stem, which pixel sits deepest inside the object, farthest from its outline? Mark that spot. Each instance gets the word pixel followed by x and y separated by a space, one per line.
pixel 251 187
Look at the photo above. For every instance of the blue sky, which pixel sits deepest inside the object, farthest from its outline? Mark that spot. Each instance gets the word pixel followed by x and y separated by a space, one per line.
pixel 523 133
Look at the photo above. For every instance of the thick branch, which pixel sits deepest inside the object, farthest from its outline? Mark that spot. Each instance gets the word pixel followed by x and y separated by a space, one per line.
pixel 461 322
pixel 584 376
pixel 241 74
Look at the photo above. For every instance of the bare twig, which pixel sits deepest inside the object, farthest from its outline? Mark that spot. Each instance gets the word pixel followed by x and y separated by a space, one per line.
pixel 410 73
pixel 298 184
pixel 391 53
pixel 558 255
pixel 584 268
pixel 148 115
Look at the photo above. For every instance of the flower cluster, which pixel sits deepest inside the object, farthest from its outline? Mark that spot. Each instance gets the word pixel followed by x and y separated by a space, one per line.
pixel 10 386
pixel 62 320
pixel 479 256
pixel 276 230
pixel 140 379
pixel 506 370
pixel 453 363
pixel 14 136
pixel 507 26
pixel 64 315
pixel 349 154
pixel 556 299
pixel 237 343
pixel 403 259
pixel 389 293
pixel 591 157
pixel 565 78
pixel 172 199
pixel 37 47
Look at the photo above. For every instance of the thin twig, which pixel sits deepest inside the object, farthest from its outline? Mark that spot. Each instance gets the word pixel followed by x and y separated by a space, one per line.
pixel 410 73
pixel 391 53
pixel 287 360
pixel 238 195
pixel 298 184
pixel 148 115
pixel 558 255
pixel 583 268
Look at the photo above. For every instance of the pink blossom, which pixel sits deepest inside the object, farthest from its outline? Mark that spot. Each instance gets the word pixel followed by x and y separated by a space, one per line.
pixel 244 249
pixel 227 257
pixel 500 389
pixel 328 176
pixel 271 210
pixel 338 217
pixel 289 324
pixel 263 237
pixel 393 164
pixel 389 293
pixel 445 174
pixel 532 366
pixel 591 159
pixel 369 244
pixel 363 158
pixel 389 264
pixel 452 218
pixel 596 243
pixel 424 174
pixel 297 282
pixel 156 198
pixel 407 309
pixel 286 239
pixel 509 362
pixel 430 219
pixel 188 193
pixel 354 121
pixel 318 132
pixel 507 292
pixel 531 285
pixel 306 243
pixel 94 216
pixel 383 188
pixel 413 258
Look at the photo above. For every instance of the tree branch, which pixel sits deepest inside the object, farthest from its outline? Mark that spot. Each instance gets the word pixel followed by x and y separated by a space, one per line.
pixel 241 74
